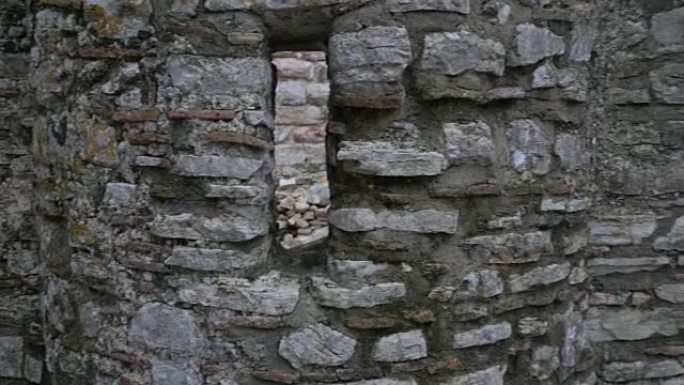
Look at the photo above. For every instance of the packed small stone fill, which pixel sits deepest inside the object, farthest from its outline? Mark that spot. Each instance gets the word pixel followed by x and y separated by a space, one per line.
pixel 301 109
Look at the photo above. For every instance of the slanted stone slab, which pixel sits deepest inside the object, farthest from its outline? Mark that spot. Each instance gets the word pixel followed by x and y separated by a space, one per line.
pixel 458 6
pixel 621 230
pixel 641 370
pixel 215 259
pixel 477 284
pixel 270 294
pixel 534 44
pixel 217 166
pixel 389 159
pixel 229 227
pixel 160 326
pixel 328 293
pixel 530 146
pixel 397 347
pixel 366 67
pixel 486 335
pixel 383 381
pixel 631 324
pixel 316 344
pixel 511 248
pixel 424 221
pixel 539 276
pixel 606 266
pixel 469 142
pixel 490 376
pixel 571 152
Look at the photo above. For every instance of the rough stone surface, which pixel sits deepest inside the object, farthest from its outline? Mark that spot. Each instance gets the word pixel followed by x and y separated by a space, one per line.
pixel 316 344
pixel 404 346
pixel 535 43
pixel 606 266
pixel 270 294
pixel 226 228
pixel 486 335
pixel 329 294
pixel 511 248
pixel 215 259
pixel 425 221
pixel 453 53
pixel 539 276
pixel 490 376
pixel 389 159
pixel 367 67
pixel 469 142
pixel 175 372
pixel 674 240
pixel 631 324
pixel 159 326
pixel 672 293
pixel 530 147
pixel 217 166
pixel 615 230
pixel 666 29
pixel 11 357
pixel 460 6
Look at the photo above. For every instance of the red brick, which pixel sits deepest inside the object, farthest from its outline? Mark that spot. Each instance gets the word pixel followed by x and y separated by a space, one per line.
pixel 212 115
pixel 280 376
pixel 8 94
pixel 372 322
pixel 419 315
pixel 210 369
pixel 145 138
pixel 444 366
pixel 153 267
pixel 258 322
pixel 235 137
pixel 136 116
pixel 466 192
pixel 124 357
pixel 195 30
pixel 668 350
pixel 562 188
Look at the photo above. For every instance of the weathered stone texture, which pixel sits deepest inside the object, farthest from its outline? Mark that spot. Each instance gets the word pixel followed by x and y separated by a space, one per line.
pixel 317 345
pixel 389 159
pixel 486 335
pixel 530 146
pixel 367 67
pixel 160 326
pixel 401 347
pixel 454 53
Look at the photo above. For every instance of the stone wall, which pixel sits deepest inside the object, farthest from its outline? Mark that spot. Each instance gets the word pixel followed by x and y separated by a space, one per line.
pixel 21 343
pixel 505 183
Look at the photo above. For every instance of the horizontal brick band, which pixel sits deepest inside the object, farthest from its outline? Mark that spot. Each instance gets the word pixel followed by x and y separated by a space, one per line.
pixel 213 115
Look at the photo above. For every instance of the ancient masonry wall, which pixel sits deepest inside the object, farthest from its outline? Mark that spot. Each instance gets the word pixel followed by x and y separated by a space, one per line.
pixel 506 194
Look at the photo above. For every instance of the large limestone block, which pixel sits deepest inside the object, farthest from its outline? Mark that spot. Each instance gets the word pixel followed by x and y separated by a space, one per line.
pixel 424 221
pixel 367 66
pixel 316 344
pixel 216 166
pixel 215 83
pixel 178 371
pixel 511 247
pixel 621 230
pixel 11 356
pixel 606 266
pixel 490 376
pixel 389 159
pixel 477 284
pixel 668 83
pixel 330 294
pixel 674 240
pixel 530 146
pixel 631 324
pixel 270 294
pixel 453 53
pixel 404 346
pixel 160 326
pixel 223 260
pixel 228 227
pixel 470 142
pixel 486 335
pixel 668 31
pixel 539 276
pixel 534 44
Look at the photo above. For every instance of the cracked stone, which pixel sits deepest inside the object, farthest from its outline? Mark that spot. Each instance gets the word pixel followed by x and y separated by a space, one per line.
pixel 405 346
pixel 166 327
pixel 486 335
pixel 329 294
pixel 453 53
pixel 539 276
pixel 469 142
pixel 389 159
pixel 530 146
pixel 534 44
